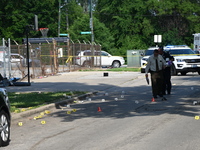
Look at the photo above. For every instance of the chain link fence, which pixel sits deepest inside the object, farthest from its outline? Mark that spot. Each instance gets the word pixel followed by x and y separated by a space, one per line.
pixel 44 58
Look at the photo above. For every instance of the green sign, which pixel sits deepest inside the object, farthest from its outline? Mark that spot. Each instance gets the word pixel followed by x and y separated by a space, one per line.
pixel 63 34
pixel 88 32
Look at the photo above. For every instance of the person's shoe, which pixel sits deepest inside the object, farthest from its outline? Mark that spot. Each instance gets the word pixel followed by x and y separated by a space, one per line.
pixel 164 99
pixel 155 96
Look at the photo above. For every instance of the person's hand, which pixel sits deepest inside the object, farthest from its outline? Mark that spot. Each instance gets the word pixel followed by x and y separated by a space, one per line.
pixel 146 75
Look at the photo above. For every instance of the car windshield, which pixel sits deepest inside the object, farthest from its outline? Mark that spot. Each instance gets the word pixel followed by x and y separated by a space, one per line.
pixel 180 51
pixel 148 52
pixel 104 54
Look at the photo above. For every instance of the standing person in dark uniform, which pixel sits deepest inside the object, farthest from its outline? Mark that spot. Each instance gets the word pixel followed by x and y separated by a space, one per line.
pixel 167 71
pixel 155 66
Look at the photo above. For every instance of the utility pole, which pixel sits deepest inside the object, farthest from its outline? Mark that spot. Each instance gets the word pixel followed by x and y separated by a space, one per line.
pixel 59 15
pixel 92 33
pixel 67 18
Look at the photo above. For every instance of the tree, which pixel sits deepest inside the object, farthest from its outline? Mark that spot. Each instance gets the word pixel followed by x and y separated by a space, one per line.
pixel 133 23
pixel 130 24
pixel 16 16
pixel 127 22
pixel 175 20
pixel 102 34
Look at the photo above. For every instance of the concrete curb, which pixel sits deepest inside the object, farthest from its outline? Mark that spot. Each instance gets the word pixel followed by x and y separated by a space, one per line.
pixel 25 114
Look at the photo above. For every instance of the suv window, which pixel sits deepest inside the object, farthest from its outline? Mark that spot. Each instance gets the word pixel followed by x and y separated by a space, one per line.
pixel 90 53
pixel 87 54
pixel 181 51
pixel 148 52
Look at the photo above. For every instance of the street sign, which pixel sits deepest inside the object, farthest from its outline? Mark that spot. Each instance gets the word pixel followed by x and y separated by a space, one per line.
pixel 63 34
pixel 157 38
pixel 87 32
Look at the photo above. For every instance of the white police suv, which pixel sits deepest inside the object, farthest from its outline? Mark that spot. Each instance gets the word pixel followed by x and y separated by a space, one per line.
pixel 185 59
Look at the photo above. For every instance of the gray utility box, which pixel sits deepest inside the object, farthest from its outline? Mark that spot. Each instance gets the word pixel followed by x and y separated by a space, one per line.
pixel 134 58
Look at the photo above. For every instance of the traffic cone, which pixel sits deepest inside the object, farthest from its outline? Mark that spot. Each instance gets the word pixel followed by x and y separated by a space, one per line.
pixel 99 109
pixel 153 99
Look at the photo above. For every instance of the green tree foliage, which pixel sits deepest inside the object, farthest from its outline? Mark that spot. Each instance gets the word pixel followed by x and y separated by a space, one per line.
pixel 176 20
pixel 134 22
pixel 127 22
pixel 102 34
pixel 118 25
pixel 16 15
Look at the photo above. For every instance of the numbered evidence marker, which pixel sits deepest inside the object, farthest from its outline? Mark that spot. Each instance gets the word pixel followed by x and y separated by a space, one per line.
pixel 196 117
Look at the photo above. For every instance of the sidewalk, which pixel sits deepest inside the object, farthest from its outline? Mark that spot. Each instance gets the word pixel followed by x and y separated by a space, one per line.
pixel 81 81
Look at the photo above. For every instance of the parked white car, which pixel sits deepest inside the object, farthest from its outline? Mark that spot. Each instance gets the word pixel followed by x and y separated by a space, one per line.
pixel 101 58
pixel 17 59
pixel 185 59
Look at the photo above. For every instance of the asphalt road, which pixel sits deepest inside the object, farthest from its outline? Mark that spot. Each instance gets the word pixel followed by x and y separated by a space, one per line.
pixel 127 118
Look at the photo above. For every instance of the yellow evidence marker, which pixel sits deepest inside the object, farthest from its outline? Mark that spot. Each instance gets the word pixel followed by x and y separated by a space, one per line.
pixel 74 110
pixel 23 109
pixel 35 118
pixel 16 111
pixel 68 112
pixel 43 122
pixel 42 113
pixel 40 116
pixel 196 117
pixel 47 112
pixel 20 124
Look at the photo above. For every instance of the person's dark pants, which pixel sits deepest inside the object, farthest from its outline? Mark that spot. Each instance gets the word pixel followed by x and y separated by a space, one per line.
pixel 157 83
pixel 167 81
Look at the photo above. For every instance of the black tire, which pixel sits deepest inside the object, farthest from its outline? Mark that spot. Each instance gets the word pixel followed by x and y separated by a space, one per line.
pixel 199 72
pixel 4 129
pixel 87 64
pixel 183 73
pixel 116 64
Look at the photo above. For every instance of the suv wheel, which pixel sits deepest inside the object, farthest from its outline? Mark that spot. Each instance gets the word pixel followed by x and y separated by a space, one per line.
pixel 116 64
pixel 183 73
pixel 86 64
pixel 4 129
